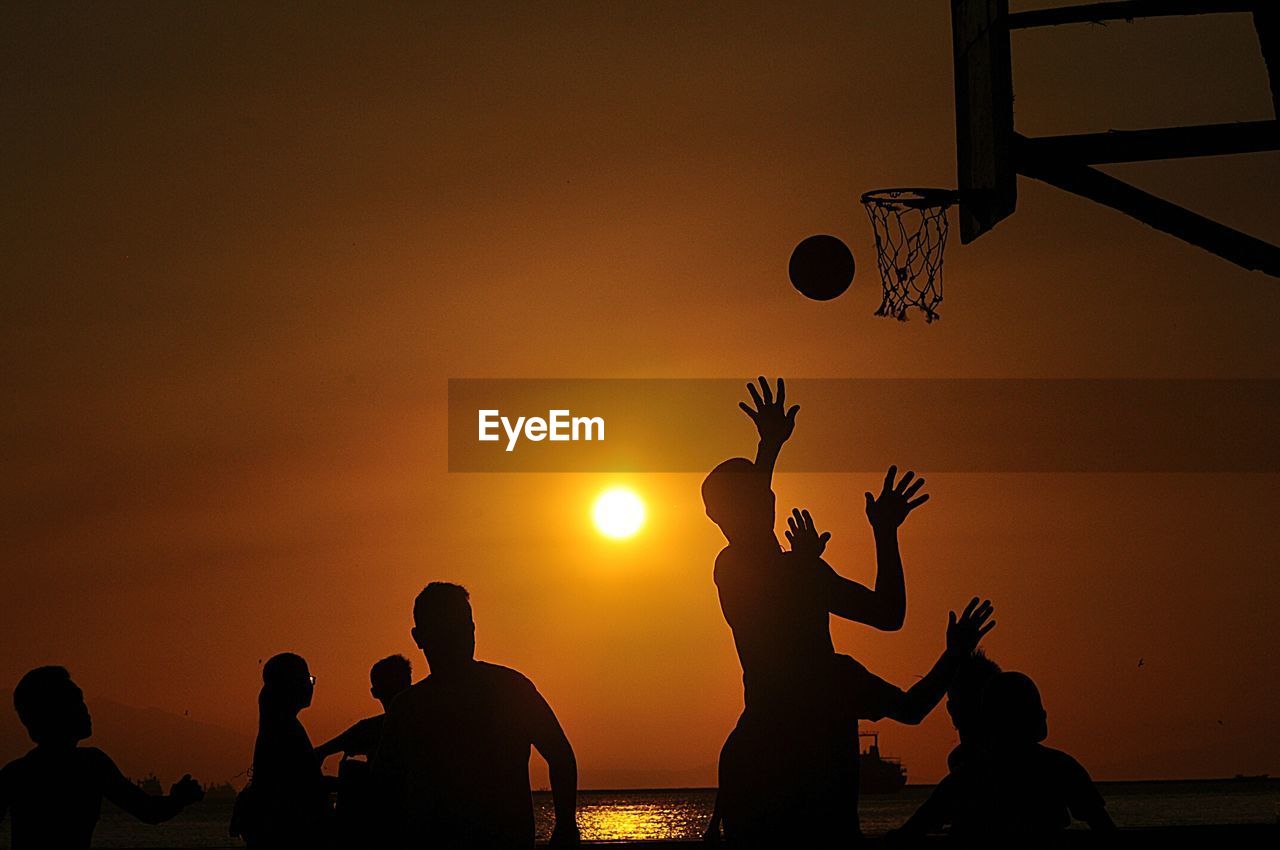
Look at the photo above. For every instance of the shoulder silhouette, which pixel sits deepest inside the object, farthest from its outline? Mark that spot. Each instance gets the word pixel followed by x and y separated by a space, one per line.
pixel 453 763
pixel 286 804
pixel 54 793
pixel 789 769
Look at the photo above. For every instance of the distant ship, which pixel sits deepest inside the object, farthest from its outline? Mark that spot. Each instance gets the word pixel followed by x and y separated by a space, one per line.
pixel 876 773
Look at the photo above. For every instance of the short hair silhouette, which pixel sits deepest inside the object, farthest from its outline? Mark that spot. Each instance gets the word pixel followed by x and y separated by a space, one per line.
pixel 286 683
pixel 442 623
pixel 442 604
pixel 1013 710
pixel 737 496
pixel 964 696
pixel 390 676
pixel 51 706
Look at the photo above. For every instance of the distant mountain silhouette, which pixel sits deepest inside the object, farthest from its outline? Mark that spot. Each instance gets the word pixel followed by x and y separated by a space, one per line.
pixel 147 740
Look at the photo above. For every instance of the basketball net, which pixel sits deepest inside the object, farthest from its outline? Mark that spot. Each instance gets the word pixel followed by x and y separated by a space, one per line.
pixel 911 234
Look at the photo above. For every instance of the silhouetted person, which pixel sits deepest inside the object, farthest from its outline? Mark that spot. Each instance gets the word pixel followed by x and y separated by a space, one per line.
pixel 786 778
pixel 1008 790
pixel 357 810
pixel 1034 791
pixel 286 804
pixel 946 803
pixel 778 606
pixel 55 792
pixel 387 679
pixel 454 758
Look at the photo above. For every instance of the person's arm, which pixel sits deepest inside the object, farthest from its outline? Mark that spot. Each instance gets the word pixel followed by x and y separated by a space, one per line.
pixel 886 513
pixel 934 813
pixel 340 743
pixel 146 807
pixel 1083 799
pixel 841 596
pixel 552 744
pixel 1100 821
pixel 773 422
pixel 883 607
pixel 963 636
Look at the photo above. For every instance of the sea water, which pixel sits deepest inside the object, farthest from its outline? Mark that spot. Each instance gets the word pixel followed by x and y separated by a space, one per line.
pixel 683 813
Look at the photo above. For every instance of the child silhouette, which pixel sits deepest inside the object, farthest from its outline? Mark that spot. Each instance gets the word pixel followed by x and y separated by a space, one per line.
pixel 55 792
pixel 1034 791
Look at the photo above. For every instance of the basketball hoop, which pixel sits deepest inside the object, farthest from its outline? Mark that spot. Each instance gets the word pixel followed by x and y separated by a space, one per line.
pixel 911 233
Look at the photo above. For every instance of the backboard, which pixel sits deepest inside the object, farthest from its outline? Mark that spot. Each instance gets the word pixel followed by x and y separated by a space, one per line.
pixel 985 165
pixel 991 154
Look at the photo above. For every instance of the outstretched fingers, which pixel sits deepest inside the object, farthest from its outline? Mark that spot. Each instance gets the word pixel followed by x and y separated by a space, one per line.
pixel 768 391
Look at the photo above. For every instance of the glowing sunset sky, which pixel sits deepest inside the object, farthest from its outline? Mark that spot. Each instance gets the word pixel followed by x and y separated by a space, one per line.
pixel 245 248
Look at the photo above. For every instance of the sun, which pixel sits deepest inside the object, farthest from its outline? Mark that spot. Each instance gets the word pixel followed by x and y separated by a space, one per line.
pixel 618 513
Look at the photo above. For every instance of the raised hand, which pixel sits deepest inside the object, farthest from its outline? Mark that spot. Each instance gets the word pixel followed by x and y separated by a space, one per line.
pixel 773 422
pixel 887 511
pixel 803 535
pixel 964 634
pixel 186 791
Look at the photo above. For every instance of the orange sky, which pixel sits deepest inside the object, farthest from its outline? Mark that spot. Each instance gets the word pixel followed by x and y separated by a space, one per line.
pixel 247 247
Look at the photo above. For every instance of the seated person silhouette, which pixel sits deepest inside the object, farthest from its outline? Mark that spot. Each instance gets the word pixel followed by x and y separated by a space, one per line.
pixel 388 678
pixel 789 768
pixel 286 804
pixel 55 792
pixel 964 704
pixel 1007 789
pixel 453 764
pixel 1032 791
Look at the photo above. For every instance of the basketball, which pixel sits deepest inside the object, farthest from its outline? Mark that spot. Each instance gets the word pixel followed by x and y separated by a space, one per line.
pixel 821 267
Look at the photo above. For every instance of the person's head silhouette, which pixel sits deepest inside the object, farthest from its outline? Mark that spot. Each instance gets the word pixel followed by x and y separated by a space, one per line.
pixel 964 696
pixel 1013 711
pixel 52 707
pixel 389 677
pixel 287 684
pixel 738 498
pixel 443 627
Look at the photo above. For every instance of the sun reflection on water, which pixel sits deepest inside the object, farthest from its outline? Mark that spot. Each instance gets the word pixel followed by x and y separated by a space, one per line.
pixel 629 822
pixel 634 816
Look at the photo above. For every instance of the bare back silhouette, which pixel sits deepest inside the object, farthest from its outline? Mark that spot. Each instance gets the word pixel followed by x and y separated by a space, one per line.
pixel 789 769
